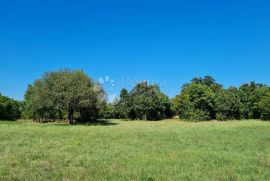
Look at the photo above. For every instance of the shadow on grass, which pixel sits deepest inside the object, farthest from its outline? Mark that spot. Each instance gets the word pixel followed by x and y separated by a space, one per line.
pixel 99 122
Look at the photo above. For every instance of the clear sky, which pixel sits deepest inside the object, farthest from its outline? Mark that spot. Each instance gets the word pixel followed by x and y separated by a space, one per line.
pixel 131 40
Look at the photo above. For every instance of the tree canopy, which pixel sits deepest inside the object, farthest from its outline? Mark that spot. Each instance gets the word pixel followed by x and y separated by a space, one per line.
pixel 62 94
pixel 264 107
pixel 204 99
pixel 196 102
pixel 144 102
pixel 9 108
pixel 227 104
pixel 72 95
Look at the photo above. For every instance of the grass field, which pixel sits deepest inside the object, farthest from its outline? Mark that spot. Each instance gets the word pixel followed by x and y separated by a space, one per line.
pixel 135 150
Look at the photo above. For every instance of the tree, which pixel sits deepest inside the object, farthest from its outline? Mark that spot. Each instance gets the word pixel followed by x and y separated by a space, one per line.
pixel 264 107
pixel 250 95
pixel 147 102
pixel 38 104
pixel 61 93
pixel 204 99
pixel 174 105
pixel 208 81
pixel 196 102
pixel 9 108
pixel 123 106
pixel 227 104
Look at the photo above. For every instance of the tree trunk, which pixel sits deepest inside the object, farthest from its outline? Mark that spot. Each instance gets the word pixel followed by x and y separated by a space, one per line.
pixel 70 116
pixel 60 117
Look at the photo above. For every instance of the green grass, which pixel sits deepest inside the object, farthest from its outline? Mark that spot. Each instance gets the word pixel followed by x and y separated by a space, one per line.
pixel 135 150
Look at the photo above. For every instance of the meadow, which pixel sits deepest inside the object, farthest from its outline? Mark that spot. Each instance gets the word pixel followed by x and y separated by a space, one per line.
pixel 135 150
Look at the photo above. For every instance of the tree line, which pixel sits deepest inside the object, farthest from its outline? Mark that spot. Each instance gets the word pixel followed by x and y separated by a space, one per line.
pixel 74 96
pixel 205 99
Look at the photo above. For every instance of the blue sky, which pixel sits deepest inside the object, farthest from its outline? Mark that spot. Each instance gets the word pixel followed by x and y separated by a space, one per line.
pixel 131 40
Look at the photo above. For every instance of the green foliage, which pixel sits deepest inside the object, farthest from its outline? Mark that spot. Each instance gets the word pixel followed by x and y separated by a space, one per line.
pixel 107 111
pixel 123 106
pixel 9 108
pixel 144 102
pixel 196 102
pixel 250 95
pixel 148 103
pixel 204 99
pixel 227 104
pixel 73 95
pixel 64 94
pixel 264 107
pixel 174 103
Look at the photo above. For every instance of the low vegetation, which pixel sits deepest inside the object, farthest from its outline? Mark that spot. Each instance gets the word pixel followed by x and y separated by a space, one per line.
pixel 135 150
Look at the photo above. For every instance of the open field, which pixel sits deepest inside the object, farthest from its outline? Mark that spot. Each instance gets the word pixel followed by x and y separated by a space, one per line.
pixel 135 150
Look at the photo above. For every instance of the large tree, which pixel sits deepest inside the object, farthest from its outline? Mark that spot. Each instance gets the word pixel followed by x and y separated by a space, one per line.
pixel 61 94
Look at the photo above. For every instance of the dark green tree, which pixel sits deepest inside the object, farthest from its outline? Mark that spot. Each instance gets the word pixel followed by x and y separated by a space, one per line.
pixel 10 109
pixel 250 95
